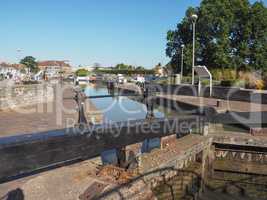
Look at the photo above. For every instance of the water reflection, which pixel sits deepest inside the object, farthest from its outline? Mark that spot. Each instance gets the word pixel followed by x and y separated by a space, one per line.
pixel 117 109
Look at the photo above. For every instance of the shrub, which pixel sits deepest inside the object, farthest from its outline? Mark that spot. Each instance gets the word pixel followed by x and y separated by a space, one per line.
pixel 227 83
pixel 223 74
pixel 240 83
pixel 205 82
pixel 187 79
pixel 257 84
pixel 228 74
pixel 216 74
pixel 260 85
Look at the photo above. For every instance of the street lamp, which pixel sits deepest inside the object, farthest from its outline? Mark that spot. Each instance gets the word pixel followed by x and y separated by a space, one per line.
pixel 182 62
pixel 19 54
pixel 194 20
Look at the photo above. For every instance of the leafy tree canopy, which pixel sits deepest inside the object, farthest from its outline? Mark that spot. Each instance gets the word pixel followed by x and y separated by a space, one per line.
pixel 30 63
pixel 229 34
pixel 122 66
pixel 82 72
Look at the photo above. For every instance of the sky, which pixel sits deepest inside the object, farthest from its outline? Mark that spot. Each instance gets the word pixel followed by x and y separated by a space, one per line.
pixel 89 31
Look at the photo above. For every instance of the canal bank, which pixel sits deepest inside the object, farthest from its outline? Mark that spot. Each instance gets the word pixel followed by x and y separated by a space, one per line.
pixel 37 108
pixel 177 170
pixel 188 166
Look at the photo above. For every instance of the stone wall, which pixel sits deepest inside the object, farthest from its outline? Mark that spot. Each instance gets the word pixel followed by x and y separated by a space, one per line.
pixel 240 162
pixel 228 93
pixel 25 95
pixel 27 153
pixel 240 140
pixel 179 160
pixel 240 154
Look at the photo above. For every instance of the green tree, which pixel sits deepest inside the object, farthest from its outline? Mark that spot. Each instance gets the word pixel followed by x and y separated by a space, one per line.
pixel 82 72
pixel 30 63
pixel 258 36
pixel 140 68
pixel 122 66
pixel 229 34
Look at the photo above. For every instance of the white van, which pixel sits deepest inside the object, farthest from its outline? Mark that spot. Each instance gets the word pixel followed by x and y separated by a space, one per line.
pixel 82 79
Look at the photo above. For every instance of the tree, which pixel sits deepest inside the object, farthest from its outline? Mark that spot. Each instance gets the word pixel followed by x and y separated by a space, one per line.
pixel 258 37
pixel 122 66
pixel 82 72
pixel 229 34
pixel 140 68
pixel 30 63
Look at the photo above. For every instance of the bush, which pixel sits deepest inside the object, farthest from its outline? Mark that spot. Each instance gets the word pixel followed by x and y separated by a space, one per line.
pixel 229 74
pixel 257 84
pixel 228 83
pixel 216 74
pixel 260 84
pixel 205 82
pixel 187 79
pixel 240 83
pixel 223 74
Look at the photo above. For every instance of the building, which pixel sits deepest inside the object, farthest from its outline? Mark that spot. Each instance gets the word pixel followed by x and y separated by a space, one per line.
pixel 10 71
pixel 54 69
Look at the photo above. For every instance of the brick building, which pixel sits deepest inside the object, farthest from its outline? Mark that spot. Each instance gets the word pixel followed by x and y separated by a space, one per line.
pixel 54 68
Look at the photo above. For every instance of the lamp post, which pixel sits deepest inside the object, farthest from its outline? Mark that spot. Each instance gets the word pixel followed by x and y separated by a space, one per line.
pixel 18 54
pixel 194 20
pixel 182 62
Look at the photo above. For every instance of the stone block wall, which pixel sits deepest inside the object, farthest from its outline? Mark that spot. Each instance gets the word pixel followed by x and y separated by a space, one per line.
pixel 25 95
pixel 227 93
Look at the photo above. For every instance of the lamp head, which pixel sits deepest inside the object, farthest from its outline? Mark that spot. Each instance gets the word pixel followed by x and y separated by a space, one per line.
pixel 194 17
pixel 182 46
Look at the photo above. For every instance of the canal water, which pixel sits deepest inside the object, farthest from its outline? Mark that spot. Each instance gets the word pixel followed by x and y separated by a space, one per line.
pixel 116 109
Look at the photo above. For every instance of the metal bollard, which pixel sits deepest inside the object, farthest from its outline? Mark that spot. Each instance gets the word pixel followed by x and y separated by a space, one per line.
pixel 80 98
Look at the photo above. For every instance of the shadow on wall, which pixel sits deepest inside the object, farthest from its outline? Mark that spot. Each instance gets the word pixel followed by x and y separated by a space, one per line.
pixel 16 194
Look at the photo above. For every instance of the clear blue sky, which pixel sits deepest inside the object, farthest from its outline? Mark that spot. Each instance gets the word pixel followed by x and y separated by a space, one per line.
pixel 89 31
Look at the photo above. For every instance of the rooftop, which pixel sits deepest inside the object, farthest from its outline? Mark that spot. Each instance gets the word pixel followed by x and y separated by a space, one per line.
pixel 53 63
